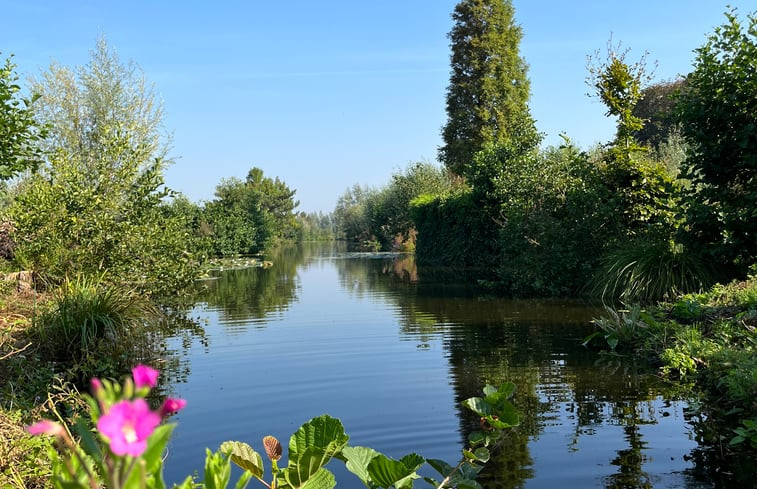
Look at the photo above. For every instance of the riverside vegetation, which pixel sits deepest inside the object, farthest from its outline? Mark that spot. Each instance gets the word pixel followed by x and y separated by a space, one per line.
pixel 665 209
pixel 129 442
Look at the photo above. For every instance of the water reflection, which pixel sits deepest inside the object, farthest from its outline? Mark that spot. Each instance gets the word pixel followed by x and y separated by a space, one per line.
pixel 587 420
pixel 562 387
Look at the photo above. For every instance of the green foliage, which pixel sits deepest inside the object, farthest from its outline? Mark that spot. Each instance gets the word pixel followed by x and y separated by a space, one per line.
pixel 656 109
pixel 746 433
pixel 382 218
pixel 708 339
pixel 248 216
pixel 95 459
pixel 548 214
pixel 88 108
pixel 620 327
pixel 96 205
pixel 314 226
pixel 718 113
pixel 618 85
pixel 70 222
pixel 23 458
pixel 391 219
pixel 489 90
pixel 454 231
pixel 87 313
pixel 311 447
pixel 19 132
pixel 644 270
pixel 352 214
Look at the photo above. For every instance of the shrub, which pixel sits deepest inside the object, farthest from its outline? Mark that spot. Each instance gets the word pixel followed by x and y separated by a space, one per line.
pixel 643 270
pixel 87 314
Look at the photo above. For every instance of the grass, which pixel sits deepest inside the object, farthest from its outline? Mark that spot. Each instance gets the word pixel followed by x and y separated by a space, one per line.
pixel 86 314
pixel 649 270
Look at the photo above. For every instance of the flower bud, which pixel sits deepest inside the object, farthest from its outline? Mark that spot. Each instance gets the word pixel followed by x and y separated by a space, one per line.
pixel 272 448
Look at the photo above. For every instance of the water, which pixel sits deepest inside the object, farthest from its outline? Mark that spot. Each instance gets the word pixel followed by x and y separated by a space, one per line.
pixel 392 351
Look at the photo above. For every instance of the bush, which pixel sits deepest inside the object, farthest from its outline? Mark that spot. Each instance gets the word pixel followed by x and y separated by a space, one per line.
pixel 88 316
pixel 454 231
pixel 643 270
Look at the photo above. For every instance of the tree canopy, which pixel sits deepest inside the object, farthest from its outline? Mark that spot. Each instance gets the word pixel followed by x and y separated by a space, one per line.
pixel 487 97
pixel 19 132
pixel 718 113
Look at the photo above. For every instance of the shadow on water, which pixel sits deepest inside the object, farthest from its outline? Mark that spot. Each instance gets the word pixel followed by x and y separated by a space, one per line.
pixel 588 420
pixel 537 345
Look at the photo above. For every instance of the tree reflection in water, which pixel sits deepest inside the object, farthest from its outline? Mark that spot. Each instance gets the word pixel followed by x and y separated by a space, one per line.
pixel 536 345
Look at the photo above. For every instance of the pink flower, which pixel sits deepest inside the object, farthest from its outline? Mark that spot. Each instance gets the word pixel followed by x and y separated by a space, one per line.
pixel 96 384
pixel 46 427
pixel 127 425
pixel 171 405
pixel 144 376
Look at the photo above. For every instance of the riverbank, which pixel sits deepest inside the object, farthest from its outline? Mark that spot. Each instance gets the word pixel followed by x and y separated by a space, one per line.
pixel 25 379
pixel 707 341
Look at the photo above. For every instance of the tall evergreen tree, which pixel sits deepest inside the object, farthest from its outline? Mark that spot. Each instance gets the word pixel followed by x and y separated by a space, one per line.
pixel 488 92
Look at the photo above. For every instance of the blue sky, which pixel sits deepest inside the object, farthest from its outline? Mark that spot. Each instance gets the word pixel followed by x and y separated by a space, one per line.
pixel 328 94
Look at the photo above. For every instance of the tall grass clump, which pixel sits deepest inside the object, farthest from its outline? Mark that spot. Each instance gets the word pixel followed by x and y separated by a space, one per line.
pixel 88 314
pixel 644 271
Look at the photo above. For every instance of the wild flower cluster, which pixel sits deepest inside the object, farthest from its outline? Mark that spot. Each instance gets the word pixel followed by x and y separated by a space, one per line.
pixel 129 431
pixel 127 447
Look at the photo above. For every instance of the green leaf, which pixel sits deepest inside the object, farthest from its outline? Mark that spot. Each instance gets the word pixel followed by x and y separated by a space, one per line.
pixel 489 390
pixel 476 438
pixel 323 432
pixel 478 406
pixel 188 483
pixel 322 479
pixel 507 390
pixel 386 472
pixel 432 481
pixel 440 466
pixel 217 470
pixel 244 479
pixel 156 446
pixel 469 471
pixel 312 446
pixel 308 463
pixel 482 454
pixel 413 461
pixel 358 459
pixel 468 484
pixel 244 456
pixel 87 440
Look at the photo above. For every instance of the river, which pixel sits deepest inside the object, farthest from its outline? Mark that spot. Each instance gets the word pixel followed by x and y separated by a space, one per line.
pixel 392 350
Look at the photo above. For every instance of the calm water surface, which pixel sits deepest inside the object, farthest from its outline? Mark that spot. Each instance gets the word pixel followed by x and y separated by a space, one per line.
pixel 392 351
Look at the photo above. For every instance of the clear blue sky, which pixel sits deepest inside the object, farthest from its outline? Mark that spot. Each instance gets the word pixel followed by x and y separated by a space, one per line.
pixel 328 94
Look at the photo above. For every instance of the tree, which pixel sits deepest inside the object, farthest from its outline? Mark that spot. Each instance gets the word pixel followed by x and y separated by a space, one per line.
pixel 249 215
pixel 95 207
pixel 656 110
pixel 619 84
pixel 275 201
pixel 718 113
pixel 487 98
pixel 19 133
pixel 87 107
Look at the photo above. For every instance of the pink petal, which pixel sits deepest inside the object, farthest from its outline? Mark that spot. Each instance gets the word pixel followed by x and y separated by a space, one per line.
pixel 144 376
pixel 45 427
pixel 171 405
pixel 127 425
